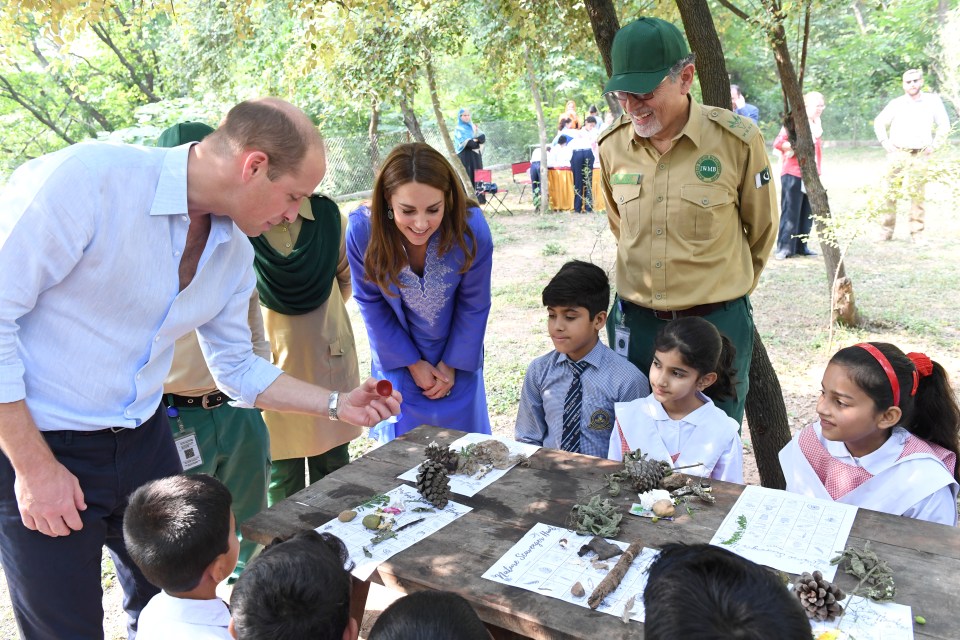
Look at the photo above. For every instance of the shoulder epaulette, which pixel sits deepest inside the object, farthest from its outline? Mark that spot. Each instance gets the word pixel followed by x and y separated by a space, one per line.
pixel 616 124
pixel 735 124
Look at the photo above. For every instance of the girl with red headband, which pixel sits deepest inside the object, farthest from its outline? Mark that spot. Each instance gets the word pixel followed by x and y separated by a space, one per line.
pixel 887 438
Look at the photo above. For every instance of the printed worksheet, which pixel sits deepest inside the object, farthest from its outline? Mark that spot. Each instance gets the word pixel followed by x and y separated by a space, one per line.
pixel 422 518
pixel 786 531
pixel 470 486
pixel 545 561
pixel 864 619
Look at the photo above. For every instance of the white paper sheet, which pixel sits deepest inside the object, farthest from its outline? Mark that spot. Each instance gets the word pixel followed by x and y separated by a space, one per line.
pixel 539 562
pixel 786 531
pixel 470 486
pixel 356 536
pixel 865 619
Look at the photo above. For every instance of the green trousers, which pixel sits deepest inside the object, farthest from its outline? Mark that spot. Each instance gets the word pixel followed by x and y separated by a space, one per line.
pixel 734 321
pixel 289 476
pixel 235 448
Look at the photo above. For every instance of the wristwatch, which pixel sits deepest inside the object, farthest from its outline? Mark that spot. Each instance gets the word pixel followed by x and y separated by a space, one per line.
pixel 332 405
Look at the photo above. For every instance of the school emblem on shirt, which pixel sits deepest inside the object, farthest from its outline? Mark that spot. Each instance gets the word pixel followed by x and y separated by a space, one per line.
pixel 600 420
pixel 707 168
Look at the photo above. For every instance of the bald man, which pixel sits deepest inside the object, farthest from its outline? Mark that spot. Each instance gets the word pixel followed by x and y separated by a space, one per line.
pixel 108 254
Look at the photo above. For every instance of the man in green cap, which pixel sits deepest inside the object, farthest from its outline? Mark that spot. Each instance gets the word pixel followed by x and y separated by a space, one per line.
pixel 689 201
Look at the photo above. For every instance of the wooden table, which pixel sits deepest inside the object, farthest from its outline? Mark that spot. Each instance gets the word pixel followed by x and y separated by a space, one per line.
pixel 925 557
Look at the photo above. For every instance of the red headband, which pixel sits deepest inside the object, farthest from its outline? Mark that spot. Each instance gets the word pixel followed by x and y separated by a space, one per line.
pixel 887 368
pixel 924 367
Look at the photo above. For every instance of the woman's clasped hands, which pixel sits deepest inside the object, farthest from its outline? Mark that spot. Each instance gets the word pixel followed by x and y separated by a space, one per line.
pixel 436 382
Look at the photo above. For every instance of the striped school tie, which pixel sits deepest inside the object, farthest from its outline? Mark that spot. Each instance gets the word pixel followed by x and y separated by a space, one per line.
pixel 571 409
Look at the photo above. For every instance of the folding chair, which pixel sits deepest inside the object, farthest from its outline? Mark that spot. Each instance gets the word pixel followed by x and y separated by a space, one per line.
pixel 494 195
pixel 521 176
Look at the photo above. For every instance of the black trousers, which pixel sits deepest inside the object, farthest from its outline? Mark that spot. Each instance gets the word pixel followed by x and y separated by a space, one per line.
pixel 55 582
pixel 795 217
pixel 582 166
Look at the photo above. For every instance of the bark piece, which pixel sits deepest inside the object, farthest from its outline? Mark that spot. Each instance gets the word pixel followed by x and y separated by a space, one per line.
pixel 612 580
pixel 601 547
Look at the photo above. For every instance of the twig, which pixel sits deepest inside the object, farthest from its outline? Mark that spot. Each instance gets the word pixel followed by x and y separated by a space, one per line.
pixel 612 580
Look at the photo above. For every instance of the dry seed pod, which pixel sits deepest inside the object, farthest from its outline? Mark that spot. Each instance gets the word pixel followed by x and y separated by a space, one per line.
pixel 347 516
pixel 664 509
pixel 820 597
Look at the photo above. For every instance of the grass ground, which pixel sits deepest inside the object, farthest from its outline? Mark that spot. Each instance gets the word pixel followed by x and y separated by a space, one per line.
pixel 906 292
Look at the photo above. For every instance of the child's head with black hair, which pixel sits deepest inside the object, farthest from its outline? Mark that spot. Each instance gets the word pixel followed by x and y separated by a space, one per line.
pixel 181 533
pixel 871 387
pixel 296 588
pixel 705 592
pixel 690 355
pixel 576 300
pixel 429 615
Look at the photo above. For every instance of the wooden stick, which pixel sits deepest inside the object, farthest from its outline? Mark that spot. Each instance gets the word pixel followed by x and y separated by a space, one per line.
pixel 612 580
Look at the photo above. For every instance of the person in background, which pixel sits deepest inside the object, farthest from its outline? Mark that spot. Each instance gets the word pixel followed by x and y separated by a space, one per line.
pixel 570 113
pixel 304 280
pixel 565 128
pixel 706 592
pixel 568 395
pixel 420 255
pixel 467 141
pixel 581 163
pixel 181 533
pixel 212 436
pixel 796 219
pixel 595 113
pixel 559 154
pixel 886 439
pixel 297 589
pixel 429 615
pixel 741 107
pixel 680 181
pixel 910 128
pixel 535 172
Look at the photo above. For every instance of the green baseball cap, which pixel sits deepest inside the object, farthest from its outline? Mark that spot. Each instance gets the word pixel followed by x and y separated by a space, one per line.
pixel 642 54
pixel 183 133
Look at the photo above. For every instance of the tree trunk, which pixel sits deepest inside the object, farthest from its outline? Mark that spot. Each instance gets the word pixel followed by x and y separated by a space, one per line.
pixel 765 409
pixel 843 308
pixel 605 24
pixel 703 39
pixel 444 132
pixel 541 129
pixel 410 117
pixel 374 147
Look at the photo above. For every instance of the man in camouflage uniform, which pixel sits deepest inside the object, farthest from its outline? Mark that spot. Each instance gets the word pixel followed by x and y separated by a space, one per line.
pixel 689 201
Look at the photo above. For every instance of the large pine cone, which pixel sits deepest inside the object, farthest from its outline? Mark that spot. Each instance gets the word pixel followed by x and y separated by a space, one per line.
pixel 644 474
pixel 433 483
pixel 449 459
pixel 820 598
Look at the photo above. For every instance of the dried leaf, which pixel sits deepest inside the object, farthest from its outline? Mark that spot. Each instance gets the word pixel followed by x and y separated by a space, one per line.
pixel 627 609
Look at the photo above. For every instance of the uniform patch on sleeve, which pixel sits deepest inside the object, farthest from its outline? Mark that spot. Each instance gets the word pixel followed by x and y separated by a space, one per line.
pixel 626 178
pixel 762 178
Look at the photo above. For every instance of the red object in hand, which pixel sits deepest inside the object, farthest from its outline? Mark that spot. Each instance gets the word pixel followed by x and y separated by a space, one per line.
pixel 384 388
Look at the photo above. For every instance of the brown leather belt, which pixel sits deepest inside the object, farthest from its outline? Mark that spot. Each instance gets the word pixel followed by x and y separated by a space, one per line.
pixel 699 310
pixel 210 400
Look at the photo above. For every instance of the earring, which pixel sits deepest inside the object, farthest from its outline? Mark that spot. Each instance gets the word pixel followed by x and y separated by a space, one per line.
pixel 389 213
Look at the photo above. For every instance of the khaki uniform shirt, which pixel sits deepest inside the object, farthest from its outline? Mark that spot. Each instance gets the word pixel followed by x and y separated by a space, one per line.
pixel 694 225
pixel 317 347
pixel 189 375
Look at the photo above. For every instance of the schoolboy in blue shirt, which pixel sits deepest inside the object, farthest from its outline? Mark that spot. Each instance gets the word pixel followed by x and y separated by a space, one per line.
pixel 568 394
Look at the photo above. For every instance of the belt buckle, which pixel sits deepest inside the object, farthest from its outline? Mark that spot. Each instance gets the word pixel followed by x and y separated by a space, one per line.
pixel 205 400
pixel 665 315
pixel 116 430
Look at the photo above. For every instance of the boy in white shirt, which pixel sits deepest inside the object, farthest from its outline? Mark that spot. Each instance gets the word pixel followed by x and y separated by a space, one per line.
pixel 180 531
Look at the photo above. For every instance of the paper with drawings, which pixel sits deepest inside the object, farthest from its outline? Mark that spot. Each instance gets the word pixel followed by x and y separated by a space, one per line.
pixel 356 536
pixel 786 531
pixel 865 619
pixel 470 486
pixel 542 563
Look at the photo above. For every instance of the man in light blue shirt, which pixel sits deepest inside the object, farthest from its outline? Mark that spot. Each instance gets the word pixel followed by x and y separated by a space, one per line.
pixel 108 254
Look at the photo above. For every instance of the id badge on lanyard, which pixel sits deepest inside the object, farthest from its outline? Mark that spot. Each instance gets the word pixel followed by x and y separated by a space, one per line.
pixel 186 442
pixel 621 334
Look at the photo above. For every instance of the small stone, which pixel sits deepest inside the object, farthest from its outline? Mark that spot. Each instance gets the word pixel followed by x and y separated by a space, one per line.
pixel 347 516
pixel 577 591
pixel 372 521
pixel 664 509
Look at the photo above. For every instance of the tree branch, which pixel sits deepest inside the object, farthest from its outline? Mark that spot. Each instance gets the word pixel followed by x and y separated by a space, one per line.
pixel 11 93
pixel 100 31
pixel 735 10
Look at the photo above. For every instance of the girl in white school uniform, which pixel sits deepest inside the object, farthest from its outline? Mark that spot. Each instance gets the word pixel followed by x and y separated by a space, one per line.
pixel 886 439
pixel 692 362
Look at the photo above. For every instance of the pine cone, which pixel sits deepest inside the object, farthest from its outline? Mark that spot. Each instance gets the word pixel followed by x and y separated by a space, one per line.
pixel 820 598
pixel 433 483
pixel 644 474
pixel 449 459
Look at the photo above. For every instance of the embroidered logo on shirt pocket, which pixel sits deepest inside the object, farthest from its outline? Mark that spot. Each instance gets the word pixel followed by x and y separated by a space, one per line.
pixel 627 200
pixel 705 212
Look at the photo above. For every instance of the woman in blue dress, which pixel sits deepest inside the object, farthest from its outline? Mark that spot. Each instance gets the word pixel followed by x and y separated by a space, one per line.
pixel 420 258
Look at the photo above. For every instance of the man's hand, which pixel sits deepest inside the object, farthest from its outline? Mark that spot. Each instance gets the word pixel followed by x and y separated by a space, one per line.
pixel 365 407
pixel 50 499
pixel 888 146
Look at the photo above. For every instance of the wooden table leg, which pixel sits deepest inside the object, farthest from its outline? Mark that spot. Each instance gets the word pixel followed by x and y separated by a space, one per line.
pixel 499 633
pixel 358 599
